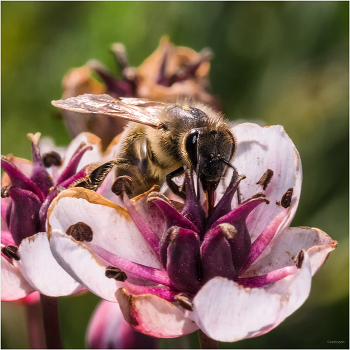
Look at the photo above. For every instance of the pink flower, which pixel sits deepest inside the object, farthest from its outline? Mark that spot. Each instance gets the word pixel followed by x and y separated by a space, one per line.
pixel 28 188
pixel 236 273
pixel 108 330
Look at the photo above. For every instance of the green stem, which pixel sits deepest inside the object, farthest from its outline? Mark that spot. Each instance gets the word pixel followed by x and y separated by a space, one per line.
pixel 49 307
pixel 35 326
pixel 207 342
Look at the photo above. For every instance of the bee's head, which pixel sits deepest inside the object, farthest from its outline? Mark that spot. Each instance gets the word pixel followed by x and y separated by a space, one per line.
pixel 209 151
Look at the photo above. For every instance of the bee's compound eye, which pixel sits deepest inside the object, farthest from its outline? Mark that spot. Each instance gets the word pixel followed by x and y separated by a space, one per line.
pixel 191 146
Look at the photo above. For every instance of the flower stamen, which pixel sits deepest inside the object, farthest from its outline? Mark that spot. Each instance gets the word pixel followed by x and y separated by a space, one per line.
pixel 52 158
pixel 122 184
pixel 287 198
pixel 184 301
pixel 116 273
pixel 81 232
pixel 5 191
pixel 265 179
pixel 11 251
pixel 299 259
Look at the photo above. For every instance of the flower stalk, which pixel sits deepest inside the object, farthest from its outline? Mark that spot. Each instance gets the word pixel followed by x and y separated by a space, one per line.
pixel 35 326
pixel 207 342
pixel 51 322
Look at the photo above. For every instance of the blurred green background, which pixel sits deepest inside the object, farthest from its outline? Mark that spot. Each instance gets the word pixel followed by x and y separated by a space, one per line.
pixel 280 62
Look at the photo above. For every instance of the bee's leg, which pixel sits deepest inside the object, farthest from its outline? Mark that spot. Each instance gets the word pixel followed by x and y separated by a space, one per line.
pixel 172 185
pixel 94 179
pixel 137 171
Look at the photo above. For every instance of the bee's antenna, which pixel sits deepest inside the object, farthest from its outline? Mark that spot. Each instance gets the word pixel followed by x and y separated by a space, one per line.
pixel 227 163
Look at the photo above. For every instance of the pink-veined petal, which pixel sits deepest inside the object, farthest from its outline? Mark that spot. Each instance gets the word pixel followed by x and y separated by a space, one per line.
pixel 259 149
pixel 154 316
pixel 289 243
pixel 13 285
pixel 83 265
pixel 113 228
pixel 41 269
pixel 226 311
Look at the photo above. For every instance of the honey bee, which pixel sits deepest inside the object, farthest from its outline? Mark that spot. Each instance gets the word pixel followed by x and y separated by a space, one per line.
pixel 162 140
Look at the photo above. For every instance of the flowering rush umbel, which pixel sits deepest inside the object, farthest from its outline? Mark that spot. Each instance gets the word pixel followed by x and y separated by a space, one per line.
pixel 27 191
pixel 234 273
pixel 169 72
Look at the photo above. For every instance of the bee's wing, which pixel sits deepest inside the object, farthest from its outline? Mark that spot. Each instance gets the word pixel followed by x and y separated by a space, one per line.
pixel 136 110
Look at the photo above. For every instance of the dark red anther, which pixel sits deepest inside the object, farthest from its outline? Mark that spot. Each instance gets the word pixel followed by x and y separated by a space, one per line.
pixel 299 259
pixel 52 158
pixel 287 198
pixel 81 232
pixel 11 251
pixel 265 179
pixel 185 301
pixel 5 191
pixel 116 273
pixel 122 184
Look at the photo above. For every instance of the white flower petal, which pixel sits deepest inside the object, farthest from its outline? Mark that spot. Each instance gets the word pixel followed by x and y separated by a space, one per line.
pixel 13 285
pixel 154 316
pixel 41 270
pixel 258 149
pixel 83 265
pixel 288 244
pixel 228 312
pixel 112 227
